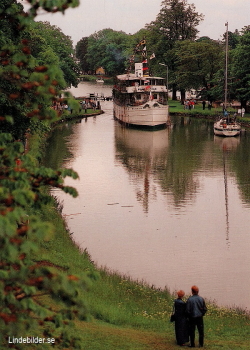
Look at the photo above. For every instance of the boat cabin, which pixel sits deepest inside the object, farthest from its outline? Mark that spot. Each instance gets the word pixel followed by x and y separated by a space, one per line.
pixel 138 90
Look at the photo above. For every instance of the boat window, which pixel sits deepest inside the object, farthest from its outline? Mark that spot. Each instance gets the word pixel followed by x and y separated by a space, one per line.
pixel 133 83
pixel 138 96
pixel 155 96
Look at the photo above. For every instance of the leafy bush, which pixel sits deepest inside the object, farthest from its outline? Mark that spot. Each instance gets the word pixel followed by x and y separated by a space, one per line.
pixel 27 91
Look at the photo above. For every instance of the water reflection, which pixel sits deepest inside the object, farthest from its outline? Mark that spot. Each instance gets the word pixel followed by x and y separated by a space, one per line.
pixel 57 150
pixel 141 153
pixel 187 146
pixel 226 145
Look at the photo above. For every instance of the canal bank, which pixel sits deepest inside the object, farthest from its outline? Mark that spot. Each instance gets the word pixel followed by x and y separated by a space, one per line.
pixel 77 116
pixel 121 311
pixel 176 109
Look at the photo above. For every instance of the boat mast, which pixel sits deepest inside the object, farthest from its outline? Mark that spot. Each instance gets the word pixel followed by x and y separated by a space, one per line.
pixel 226 67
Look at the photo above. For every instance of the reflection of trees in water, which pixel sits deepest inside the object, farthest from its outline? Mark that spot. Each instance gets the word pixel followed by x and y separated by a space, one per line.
pixel 173 157
pixel 184 158
pixel 139 163
pixel 57 150
pixel 240 165
pixel 236 161
pixel 173 163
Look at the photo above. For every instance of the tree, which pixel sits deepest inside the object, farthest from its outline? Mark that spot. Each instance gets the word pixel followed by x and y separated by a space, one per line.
pixel 81 52
pixel 27 90
pixel 177 21
pixel 197 64
pixel 233 39
pixel 107 49
pixel 62 46
pixel 241 69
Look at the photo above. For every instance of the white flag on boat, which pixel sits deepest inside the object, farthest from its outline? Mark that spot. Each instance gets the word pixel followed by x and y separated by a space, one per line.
pixel 152 56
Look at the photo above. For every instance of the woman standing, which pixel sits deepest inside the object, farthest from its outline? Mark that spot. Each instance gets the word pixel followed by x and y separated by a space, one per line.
pixel 181 323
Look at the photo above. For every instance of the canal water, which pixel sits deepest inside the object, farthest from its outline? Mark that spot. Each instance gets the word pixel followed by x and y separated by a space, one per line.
pixel 169 207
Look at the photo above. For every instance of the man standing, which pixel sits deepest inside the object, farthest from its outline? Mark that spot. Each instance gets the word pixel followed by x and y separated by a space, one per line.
pixel 196 309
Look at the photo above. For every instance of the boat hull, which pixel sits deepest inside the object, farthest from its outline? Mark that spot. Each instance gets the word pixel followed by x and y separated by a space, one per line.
pixel 226 130
pixel 149 115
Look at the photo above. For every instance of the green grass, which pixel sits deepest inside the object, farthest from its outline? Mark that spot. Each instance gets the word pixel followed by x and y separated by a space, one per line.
pixel 177 107
pixel 80 114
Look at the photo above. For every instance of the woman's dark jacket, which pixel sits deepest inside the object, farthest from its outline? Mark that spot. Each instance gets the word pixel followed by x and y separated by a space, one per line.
pixel 181 324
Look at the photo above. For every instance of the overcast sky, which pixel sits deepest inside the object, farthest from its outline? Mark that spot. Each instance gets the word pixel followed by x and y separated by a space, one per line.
pixel 132 15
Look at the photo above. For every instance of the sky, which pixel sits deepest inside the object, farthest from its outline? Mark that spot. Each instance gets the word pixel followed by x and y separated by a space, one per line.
pixel 132 15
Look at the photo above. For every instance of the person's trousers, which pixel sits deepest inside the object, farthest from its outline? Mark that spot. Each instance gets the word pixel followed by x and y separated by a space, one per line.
pixel 193 323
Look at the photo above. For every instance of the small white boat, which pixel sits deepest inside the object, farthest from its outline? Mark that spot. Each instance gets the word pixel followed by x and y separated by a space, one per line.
pixel 100 80
pixel 227 127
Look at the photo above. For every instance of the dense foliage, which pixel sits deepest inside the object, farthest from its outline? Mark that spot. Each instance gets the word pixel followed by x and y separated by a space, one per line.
pixel 197 63
pixel 106 49
pixel 48 38
pixel 241 68
pixel 81 52
pixel 29 85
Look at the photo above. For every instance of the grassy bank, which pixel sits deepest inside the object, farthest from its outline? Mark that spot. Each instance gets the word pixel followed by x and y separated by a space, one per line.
pixel 128 315
pixel 81 113
pixel 125 314
pixel 175 107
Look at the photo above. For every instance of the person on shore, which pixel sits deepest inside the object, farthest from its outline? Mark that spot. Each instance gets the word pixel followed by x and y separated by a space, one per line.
pixel 203 104
pixel 196 309
pixel 181 322
pixel 242 112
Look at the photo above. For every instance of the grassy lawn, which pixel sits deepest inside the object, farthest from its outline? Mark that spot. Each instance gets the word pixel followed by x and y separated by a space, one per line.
pixel 177 107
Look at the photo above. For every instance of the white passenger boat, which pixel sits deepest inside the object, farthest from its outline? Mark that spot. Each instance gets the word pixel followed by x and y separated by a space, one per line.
pixel 141 100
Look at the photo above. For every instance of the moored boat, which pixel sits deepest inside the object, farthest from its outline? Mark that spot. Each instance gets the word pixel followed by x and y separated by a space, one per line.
pixel 226 126
pixel 99 80
pixel 141 100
